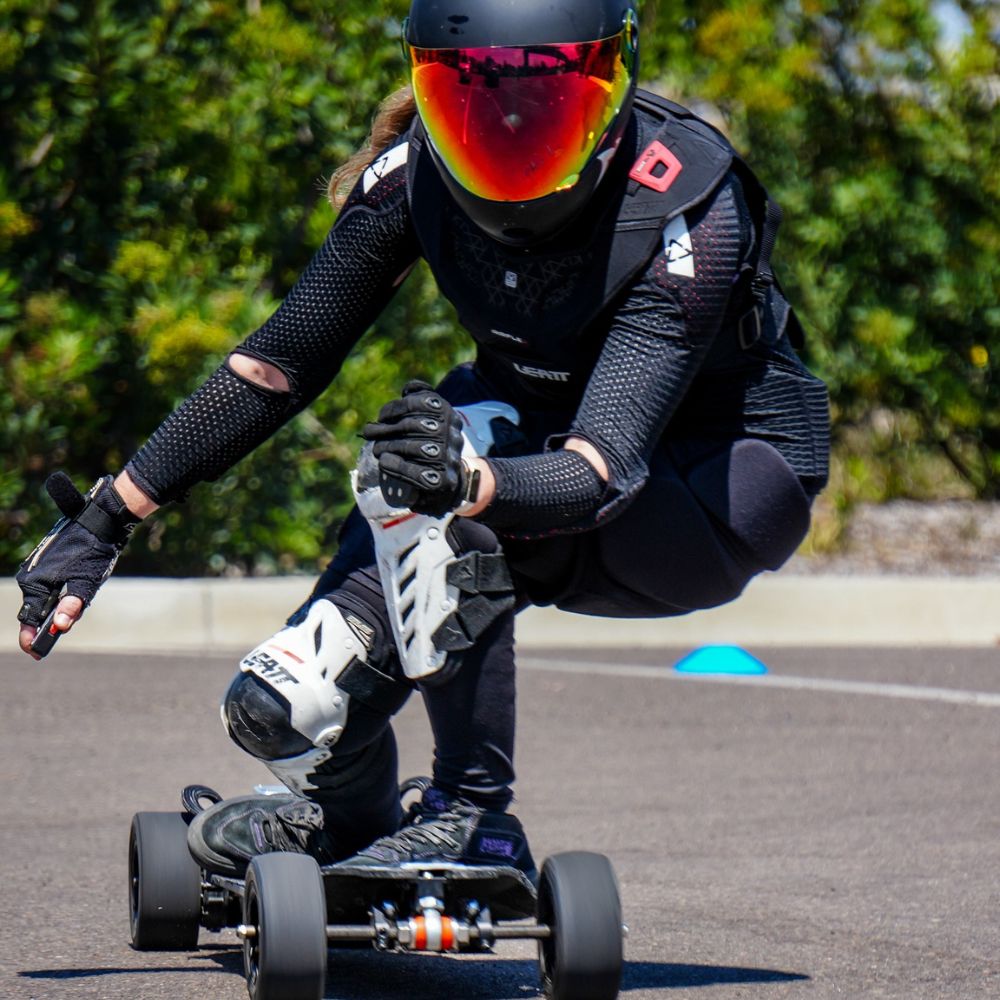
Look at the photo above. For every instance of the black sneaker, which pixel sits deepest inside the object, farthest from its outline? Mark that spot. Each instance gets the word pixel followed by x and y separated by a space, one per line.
pixel 445 829
pixel 225 837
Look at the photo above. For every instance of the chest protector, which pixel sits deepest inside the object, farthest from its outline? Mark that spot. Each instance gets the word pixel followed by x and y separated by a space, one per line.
pixel 540 314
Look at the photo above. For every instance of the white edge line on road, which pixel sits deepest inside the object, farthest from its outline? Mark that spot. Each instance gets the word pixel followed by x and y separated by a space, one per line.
pixel 908 692
pixel 984 699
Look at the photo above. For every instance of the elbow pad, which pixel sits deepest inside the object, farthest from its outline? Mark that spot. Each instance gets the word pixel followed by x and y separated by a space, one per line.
pixel 210 432
pixel 558 491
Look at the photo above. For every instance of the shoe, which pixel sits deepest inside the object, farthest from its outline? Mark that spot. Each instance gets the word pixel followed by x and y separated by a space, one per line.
pixel 443 828
pixel 225 837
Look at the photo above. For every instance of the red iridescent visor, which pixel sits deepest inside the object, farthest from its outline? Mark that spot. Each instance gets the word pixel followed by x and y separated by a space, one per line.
pixel 513 124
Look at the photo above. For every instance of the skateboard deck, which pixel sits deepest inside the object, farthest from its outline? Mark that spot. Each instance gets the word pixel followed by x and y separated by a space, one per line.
pixel 351 891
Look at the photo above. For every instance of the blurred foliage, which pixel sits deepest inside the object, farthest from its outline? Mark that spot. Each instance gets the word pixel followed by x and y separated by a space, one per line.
pixel 161 186
pixel 160 190
pixel 877 131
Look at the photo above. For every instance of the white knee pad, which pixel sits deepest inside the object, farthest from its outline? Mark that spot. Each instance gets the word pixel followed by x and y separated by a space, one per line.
pixel 285 706
pixel 414 555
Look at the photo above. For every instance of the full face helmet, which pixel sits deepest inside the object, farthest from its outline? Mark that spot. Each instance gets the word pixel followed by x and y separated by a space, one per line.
pixel 524 103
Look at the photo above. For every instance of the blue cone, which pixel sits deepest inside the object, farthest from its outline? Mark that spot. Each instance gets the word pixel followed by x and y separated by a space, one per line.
pixel 720 660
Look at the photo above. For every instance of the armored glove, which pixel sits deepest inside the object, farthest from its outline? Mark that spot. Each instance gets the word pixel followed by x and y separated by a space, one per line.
pixel 79 552
pixel 418 444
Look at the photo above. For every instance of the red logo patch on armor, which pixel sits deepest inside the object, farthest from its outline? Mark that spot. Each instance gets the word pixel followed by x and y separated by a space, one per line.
pixel 656 155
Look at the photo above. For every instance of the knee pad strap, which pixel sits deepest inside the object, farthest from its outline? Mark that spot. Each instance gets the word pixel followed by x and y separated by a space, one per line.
pixel 486 591
pixel 367 684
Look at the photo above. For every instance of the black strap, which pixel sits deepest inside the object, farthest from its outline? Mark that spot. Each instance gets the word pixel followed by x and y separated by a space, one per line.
pixel 110 528
pixel 101 524
pixel 371 687
pixel 750 326
pixel 473 616
pixel 480 572
pixel 763 278
pixel 486 592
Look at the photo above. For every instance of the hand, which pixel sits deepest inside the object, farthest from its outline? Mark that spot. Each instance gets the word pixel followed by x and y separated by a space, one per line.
pixel 75 557
pixel 418 444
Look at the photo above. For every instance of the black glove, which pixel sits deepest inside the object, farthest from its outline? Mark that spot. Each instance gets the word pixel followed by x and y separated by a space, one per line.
pixel 418 444
pixel 79 552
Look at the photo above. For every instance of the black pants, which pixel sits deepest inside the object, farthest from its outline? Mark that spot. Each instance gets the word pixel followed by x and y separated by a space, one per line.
pixel 712 516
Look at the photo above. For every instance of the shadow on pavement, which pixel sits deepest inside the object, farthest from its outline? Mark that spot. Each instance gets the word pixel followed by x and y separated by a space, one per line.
pixel 225 958
pixel 429 977
pixel 674 975
pixel 110 971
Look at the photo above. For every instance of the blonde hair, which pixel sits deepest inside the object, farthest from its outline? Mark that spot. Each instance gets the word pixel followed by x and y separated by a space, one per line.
pixel 391 120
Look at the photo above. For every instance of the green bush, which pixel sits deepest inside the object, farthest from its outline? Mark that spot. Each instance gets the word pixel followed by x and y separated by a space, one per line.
pixel 159 194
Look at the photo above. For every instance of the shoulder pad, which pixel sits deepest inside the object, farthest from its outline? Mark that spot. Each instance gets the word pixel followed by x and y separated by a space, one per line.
pixel 392 159
pixel 662 108
pixel 383 180
pixel 682 160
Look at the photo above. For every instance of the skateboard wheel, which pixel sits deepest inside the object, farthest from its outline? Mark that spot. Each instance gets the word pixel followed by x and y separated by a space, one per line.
pixel 164 884
pixel 578 900
pixel 284 917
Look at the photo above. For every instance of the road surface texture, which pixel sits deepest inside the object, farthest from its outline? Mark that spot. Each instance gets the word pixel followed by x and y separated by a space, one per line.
pixel 830 831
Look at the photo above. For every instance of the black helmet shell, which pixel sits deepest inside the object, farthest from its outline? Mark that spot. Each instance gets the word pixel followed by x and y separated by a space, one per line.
pixel 456 24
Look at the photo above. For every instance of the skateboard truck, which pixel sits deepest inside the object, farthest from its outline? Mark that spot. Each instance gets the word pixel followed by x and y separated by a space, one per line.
pixel 429 929
pixel 432 930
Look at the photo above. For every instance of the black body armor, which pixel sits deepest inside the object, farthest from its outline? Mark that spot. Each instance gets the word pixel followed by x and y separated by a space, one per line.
pixel 539 315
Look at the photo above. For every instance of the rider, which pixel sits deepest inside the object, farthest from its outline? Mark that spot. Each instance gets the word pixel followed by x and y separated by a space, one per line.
pixel 609 253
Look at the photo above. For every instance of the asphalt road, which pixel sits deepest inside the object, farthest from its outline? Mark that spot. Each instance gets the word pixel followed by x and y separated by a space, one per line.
pixel 832 831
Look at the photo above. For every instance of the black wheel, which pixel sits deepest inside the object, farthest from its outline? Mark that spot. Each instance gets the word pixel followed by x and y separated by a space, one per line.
pixel 284 910
pixel 578 900
pixel 164 884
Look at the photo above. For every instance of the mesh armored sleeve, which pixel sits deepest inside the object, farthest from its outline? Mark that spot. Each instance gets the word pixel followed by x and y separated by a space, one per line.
pixel 210 431
pixel 541 492
pixel 657 341
pixel 339 295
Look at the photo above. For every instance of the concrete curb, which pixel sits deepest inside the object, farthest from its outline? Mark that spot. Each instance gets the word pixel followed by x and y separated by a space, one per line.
pixel 159 615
